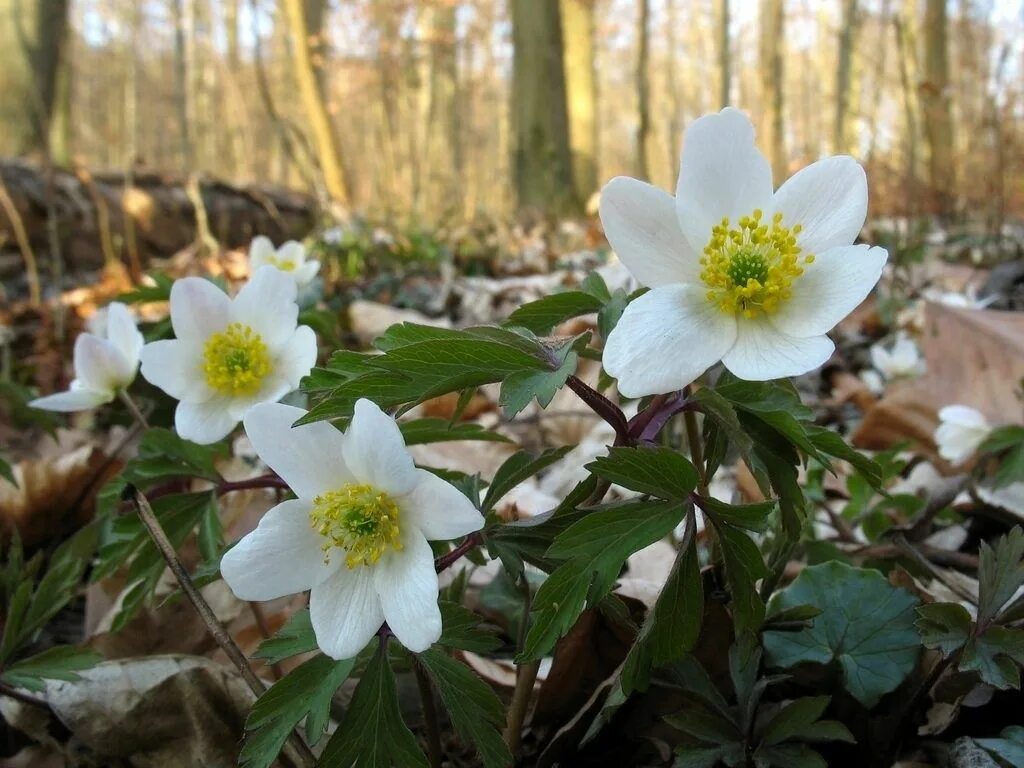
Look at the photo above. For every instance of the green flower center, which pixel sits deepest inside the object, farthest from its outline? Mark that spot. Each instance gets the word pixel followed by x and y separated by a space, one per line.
pixel 359 519
pixel 235 361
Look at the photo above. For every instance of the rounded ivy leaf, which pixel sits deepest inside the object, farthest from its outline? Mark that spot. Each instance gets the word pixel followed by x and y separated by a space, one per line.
pixel 865 624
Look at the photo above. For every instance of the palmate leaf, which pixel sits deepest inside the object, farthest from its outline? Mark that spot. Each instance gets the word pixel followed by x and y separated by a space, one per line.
pixel 655 471
pixel 944 627
pixel 372 733
pixel 996 655
pixel 520 388
pixel 1000 573
pixel 462 629
pixel 475 710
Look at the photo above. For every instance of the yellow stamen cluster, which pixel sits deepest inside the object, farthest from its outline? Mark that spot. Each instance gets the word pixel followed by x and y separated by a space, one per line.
pixel 359 519
pixel 235 361
pixel 750 268
pixel 285 265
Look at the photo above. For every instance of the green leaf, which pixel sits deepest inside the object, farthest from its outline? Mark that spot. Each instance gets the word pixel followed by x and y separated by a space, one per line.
pixel 1002 438
pixel 544 314
pixel 709 757
pixel 789 756
pixel 295 637
pixel 944 627
pixel 1011 468
pixel 7 473
pixel 656 471
pixel 476 712
pixel 596 547
pixel 749 517
pixel 143 293
pixel 743 568
pixel 1000 573
pixel 62 662
pixel 706 726
pixel 372 734
pixel 431 430
pixel 996 655
pixel 1009 746
pixel 866 625
pixel 831 443
pixel 163 454
pixel 461 628
pixel 672 628
pixel 798 720
pixel 517 468
pixel 305 692
pixel 722 425
pixel 520 388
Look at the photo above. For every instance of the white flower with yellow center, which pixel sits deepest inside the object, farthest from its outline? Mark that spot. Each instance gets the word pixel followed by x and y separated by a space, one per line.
pixel 901 360
pixel 737 273
pixel 357 534
pixel 229 354
pixel 290 257
pixel 106 361
pixel 961 430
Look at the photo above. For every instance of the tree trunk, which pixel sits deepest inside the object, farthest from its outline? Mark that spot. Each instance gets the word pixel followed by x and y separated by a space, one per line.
pixel 771 65
pixel 444 141
pixel 581 89
pixel 324 138
pixel 35 78
pixel 847 42
pixel 724 54
pixel 935 101
pixel 905 48
pixel 542 159
pixel 643 90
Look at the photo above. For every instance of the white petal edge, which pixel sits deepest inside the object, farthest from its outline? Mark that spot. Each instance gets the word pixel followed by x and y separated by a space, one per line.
pixel 963 415
pixel 439 509
pixel 762 352
pixel 407 584
pixel 123 333
pixel 831 288
pixel 99 365
pixel 305 274
pixel 665 339
pixel 375 450
pixel 722 173
pixel 309 457
pixel 345 612
pixel 829 199
pixel 198 309
pixel 282 556
pixel 79 399
pixel 176 367
pixel 204 423
pixel 267 305
pixel 298 356
pixel 261 251
pixel 641 225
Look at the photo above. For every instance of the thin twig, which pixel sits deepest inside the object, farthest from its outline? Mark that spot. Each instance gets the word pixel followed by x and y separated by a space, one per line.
pixel 429 714
pixel 603 407
pixel 209 618
pixel 134 409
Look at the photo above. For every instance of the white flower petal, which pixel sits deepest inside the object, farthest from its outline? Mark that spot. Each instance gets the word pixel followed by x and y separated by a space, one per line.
pixel 829 199
pixel 375 451
pixel 298 356
pixel 123 333
pixel 721 174
pixel 963 415
pixel 292 251
pixel 665 339
pixel 439 509
pixel 283 556
pixel 198 309
pixel 272 389
pixel 99 365
pixel 345 612
pixel 267 305
pixel 407 584
pixel 309 458
pixel 641 225
pixel 206 422
pixel 762 352
pixel 305 274
pixel 176 366
pixel 261 251
pixel 76 399
pixel 831 288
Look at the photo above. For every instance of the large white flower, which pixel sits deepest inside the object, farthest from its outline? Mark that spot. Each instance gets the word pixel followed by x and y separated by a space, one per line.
pixel 290 258
pixel 229 354
pixel 357 534
pixel 105 361
pixel 961 430
pixel 737 273
pixel 901 360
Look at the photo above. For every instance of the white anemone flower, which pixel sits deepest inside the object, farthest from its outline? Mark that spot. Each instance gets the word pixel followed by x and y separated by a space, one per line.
pixel 356 535
pixel 105 363
pixel 291 257
pixel 961 430
pixel 737 273
pixel 901 360
pixel 229 354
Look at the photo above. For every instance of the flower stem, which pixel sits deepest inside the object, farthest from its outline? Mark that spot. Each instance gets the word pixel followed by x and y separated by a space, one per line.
pixel 603 407
pixel 263 481
pixel 434 750
pixel 449 559
pixel 134 409
pixel 696 451
pixel 220 635
pixel 526 676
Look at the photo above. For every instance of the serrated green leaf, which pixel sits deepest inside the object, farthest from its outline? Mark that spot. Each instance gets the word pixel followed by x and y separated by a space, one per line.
pixel 462 629
pixel 1000 573
pixel 432 430
pixel 708 757
pixel 475 710
pixel 831 443
pixel 656 471
pixel 749 517
pixel 295 637
pixel 517 468
pixel 62 662
pixel 372 733
pixel 789 756
pixel 945 627
pixel 996 655
pixel 544 314
pixel 743 568
pixel 163 454
pixel 706 726
pixel 520 388
pixel 866 625
pixel 797 720
pixel 305 692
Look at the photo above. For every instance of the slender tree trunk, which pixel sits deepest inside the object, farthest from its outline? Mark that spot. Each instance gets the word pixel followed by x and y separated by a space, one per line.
pixel 906 57
pixel 444 140
pixel 675 117
pixel 581 90
pixel 844 64
pixel 324 138
pixel 643 89
pixel 935 99
pixel 771 63
pixel 181 82
pixel 542 158
pixel 724 54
